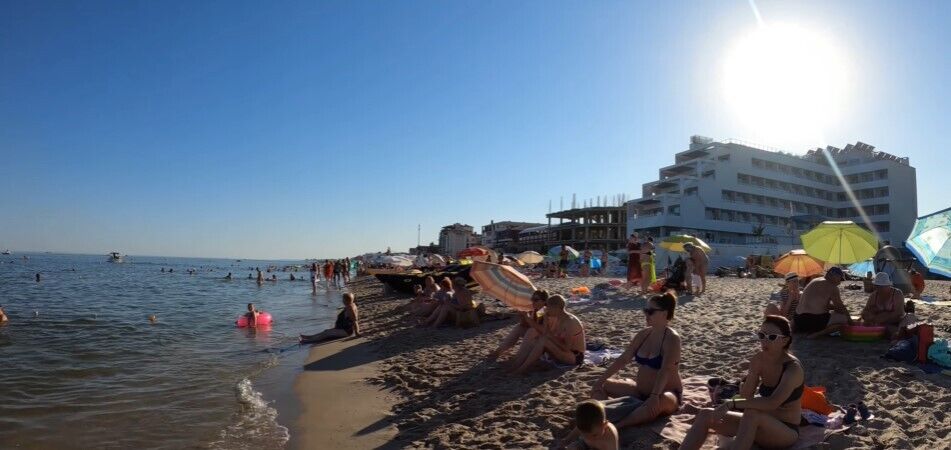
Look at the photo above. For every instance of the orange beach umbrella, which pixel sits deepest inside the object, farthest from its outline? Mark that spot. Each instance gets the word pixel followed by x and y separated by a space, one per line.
pixel 800 262
pixel 504 283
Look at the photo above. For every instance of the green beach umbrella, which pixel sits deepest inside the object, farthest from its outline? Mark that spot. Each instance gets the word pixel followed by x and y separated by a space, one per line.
pixel 840 242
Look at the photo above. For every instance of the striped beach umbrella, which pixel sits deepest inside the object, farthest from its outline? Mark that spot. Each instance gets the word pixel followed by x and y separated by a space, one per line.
pixel 930 241
pixel 504 283
pixel 799 262
pixel 840 242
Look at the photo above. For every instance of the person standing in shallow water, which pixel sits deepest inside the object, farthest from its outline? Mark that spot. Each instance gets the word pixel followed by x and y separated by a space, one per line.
pixel 260 277
pixel 314 275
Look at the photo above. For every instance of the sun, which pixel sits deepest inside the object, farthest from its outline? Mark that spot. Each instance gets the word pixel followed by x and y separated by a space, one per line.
pixel 786 83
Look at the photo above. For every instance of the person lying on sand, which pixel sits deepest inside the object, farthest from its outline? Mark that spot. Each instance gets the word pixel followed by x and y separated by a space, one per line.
pixel 562 340
pixel 788 299
pixel 885 306
pixel 528 321
pixel 656 351
pixel 770 420
pixel 592 430
pixel 348 322
pixel 819 300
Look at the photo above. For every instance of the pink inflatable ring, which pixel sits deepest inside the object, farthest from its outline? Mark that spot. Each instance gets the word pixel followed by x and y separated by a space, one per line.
pixel 263 319
pixel 862 333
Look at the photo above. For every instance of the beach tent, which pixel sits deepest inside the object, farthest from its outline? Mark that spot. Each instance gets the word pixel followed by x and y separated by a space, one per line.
pixel 555 252
pixel 860 268
pixel 889 259
pixel 839 242
pixel 930 241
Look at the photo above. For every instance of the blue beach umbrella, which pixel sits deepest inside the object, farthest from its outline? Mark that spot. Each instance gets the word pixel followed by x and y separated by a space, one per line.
pixel 930 241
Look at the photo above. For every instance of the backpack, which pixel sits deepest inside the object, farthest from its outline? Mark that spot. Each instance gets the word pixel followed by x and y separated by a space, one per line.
pixel 939 353
pixel 904 351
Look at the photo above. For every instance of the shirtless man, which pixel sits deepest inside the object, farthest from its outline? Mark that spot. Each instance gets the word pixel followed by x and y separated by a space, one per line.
pixel 885 306
pixel 699 261
pixel 562 340
pixel 821 297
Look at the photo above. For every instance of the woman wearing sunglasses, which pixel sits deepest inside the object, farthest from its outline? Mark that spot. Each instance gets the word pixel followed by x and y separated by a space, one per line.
pixel 770 420
pixel 656 351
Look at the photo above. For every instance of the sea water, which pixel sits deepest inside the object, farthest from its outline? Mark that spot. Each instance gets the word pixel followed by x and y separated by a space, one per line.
pixel 82 366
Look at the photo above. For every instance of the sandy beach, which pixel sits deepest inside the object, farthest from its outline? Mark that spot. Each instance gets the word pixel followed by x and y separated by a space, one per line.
pixel 432 389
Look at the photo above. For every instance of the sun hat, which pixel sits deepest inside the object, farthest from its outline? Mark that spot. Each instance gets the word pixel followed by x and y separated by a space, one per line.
pixel 882 279
pixel 835 271
pixel 791 276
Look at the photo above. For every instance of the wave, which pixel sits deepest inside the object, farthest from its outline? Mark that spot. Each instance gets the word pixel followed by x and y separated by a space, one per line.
pixel 254 425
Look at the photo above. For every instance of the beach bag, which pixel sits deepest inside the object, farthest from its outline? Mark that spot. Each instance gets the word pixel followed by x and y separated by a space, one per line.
pixel 939 353
pixel 814 398
pixel 904 351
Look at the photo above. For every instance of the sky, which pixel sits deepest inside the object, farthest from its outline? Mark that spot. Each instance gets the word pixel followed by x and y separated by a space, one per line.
pixel 322 129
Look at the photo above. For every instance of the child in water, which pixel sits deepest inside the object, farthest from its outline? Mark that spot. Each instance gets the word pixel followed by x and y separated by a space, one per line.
pixel 252 315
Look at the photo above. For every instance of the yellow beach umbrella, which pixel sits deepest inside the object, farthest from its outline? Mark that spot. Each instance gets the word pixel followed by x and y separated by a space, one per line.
pixel 676 243
pixel 840 242
pixel 800 262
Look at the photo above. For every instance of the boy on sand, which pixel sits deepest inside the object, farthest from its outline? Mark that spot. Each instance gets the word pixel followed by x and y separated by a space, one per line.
pixel 592 429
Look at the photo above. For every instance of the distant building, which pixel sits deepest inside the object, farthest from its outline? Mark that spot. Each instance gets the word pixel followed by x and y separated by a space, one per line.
pixel 594 227
pixel 504 235
pixel 457 237
pixel 533 239
pixel 737 193
pixel 425 249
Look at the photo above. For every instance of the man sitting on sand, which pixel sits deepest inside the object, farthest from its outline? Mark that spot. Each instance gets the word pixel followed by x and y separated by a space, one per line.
pixel 885 306
pixel 592 429
pixel 562 341
pixel 819 300
pixel 788 299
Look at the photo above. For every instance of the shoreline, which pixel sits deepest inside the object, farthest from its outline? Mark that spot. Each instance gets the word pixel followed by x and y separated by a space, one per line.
pixel 432 388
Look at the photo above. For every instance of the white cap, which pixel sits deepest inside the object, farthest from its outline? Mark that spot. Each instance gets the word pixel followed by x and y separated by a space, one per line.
pixel 882 279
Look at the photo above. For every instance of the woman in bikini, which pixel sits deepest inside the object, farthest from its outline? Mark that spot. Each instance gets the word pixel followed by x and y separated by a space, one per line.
pixel 770 420
pixel 656 350
pixel 529 326
pixel 885 306
pixel 347 323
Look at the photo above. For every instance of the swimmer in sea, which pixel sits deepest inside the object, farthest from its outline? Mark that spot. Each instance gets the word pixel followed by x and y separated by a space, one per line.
pixel 3 316
pixel 37 277
pixel 228 276
pixel 260 277
pixel 252 315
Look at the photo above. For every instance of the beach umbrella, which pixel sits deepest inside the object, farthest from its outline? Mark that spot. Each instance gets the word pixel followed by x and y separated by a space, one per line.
pixel 555 252
pixel 859 269
pixel 840 242
pixel 530 257
pixel 799 262
pixel 472 252
pixel 437 260
pixel 504 283
pixel 676 243
pixel 930 241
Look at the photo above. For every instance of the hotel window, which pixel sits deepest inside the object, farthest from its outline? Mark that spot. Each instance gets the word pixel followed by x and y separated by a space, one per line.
pixel 725 157
pixel 709 174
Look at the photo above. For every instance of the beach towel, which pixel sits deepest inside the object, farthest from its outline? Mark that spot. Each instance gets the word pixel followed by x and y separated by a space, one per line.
pixel 696 396
pixel 933 301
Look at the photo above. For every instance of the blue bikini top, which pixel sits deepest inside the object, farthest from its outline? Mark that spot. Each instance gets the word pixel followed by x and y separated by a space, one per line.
pixel 654 363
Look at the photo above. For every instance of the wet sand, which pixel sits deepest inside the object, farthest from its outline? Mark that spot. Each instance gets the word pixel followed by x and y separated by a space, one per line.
pixel 441 394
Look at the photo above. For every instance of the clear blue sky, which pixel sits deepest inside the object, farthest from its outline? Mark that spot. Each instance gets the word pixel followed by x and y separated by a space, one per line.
pixel 304 129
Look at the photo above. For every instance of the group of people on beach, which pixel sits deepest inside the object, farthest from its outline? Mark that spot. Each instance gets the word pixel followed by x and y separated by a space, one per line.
pixel 766 411
pixel 449 301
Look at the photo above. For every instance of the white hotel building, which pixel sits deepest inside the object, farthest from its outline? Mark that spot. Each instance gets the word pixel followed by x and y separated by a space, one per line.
pixel 743 198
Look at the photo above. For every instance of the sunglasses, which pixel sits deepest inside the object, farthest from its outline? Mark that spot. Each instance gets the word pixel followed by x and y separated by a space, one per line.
pixel 770 337
pixel 649 311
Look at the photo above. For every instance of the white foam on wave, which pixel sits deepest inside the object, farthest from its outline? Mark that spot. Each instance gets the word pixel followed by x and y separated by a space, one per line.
pixel 254 425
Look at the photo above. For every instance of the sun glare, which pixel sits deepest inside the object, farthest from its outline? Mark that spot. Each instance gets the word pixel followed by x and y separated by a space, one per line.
pixel 786 83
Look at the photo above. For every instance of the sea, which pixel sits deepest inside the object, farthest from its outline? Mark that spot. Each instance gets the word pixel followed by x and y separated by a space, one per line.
pixel 82 366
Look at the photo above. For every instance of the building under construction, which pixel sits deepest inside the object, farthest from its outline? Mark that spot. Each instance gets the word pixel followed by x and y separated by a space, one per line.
pixel 591 227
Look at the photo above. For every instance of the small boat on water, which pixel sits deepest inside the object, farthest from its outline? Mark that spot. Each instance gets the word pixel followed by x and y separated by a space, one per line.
pixel 404 281
pixel 115 257
pixel 6 252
